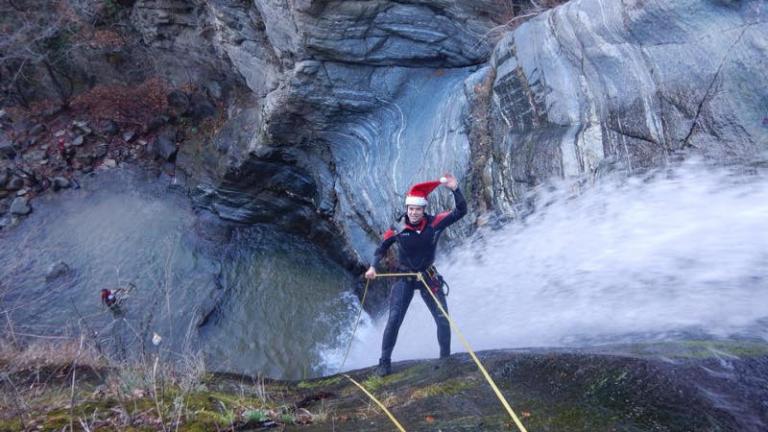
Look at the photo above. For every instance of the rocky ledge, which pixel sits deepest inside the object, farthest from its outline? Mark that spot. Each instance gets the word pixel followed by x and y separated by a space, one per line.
pixel 681 386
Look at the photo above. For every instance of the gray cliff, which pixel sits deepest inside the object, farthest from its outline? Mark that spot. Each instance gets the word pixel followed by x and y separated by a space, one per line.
pixel 328 110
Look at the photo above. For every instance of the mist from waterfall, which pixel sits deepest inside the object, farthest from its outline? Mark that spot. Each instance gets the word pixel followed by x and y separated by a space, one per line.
pixel 676 253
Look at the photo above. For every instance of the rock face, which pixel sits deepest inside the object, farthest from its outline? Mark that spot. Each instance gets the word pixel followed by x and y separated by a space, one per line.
pixel 348 89
pixel 694 388
pixel 632 84
pixel 329 110
pixel 351 118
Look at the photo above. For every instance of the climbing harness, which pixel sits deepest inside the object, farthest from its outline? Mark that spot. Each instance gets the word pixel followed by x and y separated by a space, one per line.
pixel 420 276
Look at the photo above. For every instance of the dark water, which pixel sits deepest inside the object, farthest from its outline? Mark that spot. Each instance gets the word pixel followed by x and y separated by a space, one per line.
pixel 272 301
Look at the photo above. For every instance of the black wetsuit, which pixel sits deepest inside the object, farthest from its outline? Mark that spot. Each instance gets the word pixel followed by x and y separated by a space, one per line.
pixel 416 253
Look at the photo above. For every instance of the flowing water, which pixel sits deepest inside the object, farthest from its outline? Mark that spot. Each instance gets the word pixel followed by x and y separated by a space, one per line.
pixel 271 300
pixel 673 254
pixel 679 253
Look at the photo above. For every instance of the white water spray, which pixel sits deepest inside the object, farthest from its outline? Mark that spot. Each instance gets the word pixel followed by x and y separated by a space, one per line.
pixel 680 253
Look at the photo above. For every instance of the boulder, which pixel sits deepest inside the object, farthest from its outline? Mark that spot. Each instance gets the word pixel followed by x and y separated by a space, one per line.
pixel 178 100
pixel 200 107
pixel 61 183
pixel 37 130
pixel 7 148
pixel 82 126
pixel 165 146
pixel 129 135
pixel 15 183
pixel 109 128
pixel 101 151
pixel 20 206
pixel 57 270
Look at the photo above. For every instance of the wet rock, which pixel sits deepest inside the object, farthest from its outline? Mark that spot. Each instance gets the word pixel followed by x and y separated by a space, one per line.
pixel 169 168
pixel 214 90
pixel 57 270
pixel 82 126
pixel 78 141
pixel 129 135
pixel 6 147
pixel 35 156
pixel 37 129
pixel 15 183
pixel 61 183
pixel 200 107
pixel 7 222
pixel 22 192
pixel 632 104
pixel 157 123
pixel 101 151
pixel 4 177
pixel 108 163
pixel 110 128
pixel 20 206
pixel 4 206
pixel 178 100
pixel 3 115
pixel 84 158
pixel 165 146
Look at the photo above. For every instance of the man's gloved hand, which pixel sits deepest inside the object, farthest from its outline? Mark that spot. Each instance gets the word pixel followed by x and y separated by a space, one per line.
pixel 371 273
pixel 449 181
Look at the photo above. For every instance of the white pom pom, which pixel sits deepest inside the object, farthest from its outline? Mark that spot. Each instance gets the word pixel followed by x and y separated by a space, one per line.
pixel 156 339
pixel 443 180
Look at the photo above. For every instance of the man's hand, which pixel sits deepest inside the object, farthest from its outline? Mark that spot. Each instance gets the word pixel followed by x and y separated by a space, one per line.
pixel 451 182
pixel 371 273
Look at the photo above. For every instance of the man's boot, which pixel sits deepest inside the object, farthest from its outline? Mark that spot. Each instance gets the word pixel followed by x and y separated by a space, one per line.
pixel 385 367
pixel 444 361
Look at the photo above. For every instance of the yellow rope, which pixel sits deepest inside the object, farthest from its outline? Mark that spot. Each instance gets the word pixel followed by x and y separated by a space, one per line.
pixel 466 345
pixel 455 328
pixel 346 354
pixel 354 329
pixel 381 405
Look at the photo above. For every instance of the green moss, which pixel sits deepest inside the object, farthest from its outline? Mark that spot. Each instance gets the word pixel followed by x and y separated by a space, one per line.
pixel 9 425
pixel 701 349
pixel 374 382
pixel 324 382
pixel 255 416
pixel 447 388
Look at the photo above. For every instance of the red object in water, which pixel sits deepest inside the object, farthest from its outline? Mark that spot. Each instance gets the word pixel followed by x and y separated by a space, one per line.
pixel 107 297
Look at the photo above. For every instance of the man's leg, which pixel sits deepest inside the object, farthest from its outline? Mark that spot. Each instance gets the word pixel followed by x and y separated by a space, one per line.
pixel 399 299
pixel 443 326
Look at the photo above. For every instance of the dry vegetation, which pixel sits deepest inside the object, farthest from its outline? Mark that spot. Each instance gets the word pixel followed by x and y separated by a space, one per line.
pixel 67 385
pixel 133 104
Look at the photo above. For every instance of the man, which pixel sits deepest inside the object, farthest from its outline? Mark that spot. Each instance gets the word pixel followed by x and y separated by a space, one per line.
pixel 417 239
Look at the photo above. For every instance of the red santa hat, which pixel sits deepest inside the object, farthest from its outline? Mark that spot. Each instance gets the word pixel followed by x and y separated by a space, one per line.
pixel 417 195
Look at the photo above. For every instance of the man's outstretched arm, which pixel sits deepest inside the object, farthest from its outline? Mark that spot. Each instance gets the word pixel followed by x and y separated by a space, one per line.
pixel 445 219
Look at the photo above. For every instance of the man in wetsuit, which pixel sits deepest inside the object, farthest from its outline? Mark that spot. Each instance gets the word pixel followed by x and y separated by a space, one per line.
pixel 417 239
